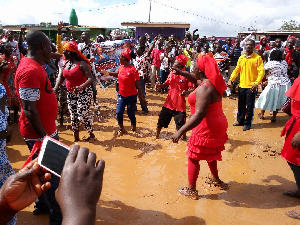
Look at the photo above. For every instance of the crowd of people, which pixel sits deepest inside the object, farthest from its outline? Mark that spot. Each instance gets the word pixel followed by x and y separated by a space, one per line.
pixel 41 79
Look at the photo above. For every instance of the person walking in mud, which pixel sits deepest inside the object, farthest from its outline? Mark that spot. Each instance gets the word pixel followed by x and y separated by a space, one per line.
pixel 208 122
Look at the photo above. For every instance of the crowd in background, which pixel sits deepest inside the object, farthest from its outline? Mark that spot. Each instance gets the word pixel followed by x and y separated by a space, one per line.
pixel 37 75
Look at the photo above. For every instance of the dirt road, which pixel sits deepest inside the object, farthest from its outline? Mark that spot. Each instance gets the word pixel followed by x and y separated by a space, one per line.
pixel 142 174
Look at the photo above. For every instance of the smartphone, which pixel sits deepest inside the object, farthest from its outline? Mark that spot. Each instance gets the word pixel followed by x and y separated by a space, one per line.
pixel 53 155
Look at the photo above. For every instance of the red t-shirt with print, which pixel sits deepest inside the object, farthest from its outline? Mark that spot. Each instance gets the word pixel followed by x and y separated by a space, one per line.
pixel 127 76
pixel 177 84
pixel 30 74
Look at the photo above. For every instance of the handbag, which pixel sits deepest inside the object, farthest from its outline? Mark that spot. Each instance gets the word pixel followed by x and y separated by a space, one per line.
pixel 286 107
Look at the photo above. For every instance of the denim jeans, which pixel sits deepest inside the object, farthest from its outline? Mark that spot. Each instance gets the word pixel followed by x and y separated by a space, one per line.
pixel 130 102
pixel 163 77
pixel 143 87
pixel 47 200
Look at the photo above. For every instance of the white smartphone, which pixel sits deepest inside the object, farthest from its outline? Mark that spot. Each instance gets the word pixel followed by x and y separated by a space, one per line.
pixel 53 155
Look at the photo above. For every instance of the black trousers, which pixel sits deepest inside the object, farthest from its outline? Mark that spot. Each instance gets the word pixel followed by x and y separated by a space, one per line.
pixel 246 103
pixel 296 171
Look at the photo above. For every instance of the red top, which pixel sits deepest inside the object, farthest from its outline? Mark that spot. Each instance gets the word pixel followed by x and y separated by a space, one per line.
pixel 74 77
pixel 212 131
pixel 30 74
pixel 155 55
pixel 177 84
pixel 127 76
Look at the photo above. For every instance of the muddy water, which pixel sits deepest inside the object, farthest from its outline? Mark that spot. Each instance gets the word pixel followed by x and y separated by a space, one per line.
pixel 142 174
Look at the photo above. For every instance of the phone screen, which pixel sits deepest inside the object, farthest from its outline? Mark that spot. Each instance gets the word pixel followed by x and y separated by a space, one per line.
pixel 54 156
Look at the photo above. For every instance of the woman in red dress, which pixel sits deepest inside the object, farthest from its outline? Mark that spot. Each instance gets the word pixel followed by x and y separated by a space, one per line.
pixel 291 148
pixel 208 122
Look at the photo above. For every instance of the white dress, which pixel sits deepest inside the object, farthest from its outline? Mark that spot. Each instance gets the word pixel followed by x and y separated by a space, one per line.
pixel 272 97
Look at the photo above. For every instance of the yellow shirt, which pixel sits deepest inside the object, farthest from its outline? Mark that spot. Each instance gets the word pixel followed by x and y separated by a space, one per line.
pixel 59 46
pixel 251 70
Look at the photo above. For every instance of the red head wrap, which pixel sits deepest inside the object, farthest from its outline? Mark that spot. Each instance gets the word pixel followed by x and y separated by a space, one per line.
pixel 209 66
pixel 126 53
pixel 182 59
pixel 72 46
pixel 292 37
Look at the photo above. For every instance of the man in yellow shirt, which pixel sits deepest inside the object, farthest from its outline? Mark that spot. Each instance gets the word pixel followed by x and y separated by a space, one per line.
pixel 251 69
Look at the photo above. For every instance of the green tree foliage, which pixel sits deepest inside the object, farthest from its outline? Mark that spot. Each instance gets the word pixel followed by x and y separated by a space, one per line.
pixel 290 25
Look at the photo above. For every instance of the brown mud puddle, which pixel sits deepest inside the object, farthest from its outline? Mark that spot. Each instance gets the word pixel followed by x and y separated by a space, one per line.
pixel 142 174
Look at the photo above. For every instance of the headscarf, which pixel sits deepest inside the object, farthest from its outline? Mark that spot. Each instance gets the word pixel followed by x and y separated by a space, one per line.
pixel 72 46
pixel 182 59
pixel 209 66
pixel 259 47
pixel 126 53
pixel 288 56
pixel 294 91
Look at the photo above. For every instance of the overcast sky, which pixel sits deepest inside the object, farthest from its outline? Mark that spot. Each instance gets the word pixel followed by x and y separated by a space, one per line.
pixel 218 17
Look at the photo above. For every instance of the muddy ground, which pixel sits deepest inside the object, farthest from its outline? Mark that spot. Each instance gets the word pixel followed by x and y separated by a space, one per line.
pixel 142 174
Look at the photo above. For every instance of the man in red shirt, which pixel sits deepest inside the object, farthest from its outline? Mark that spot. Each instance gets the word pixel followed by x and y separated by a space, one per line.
pixel 175 104
pixel 38 110
pixel 155 67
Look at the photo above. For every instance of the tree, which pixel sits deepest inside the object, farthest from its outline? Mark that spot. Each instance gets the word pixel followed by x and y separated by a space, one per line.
pixel 290 25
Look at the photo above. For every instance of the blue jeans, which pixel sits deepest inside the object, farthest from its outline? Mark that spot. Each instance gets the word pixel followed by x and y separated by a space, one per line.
pixel 130 102
pixel 163 77
pixel 143 87
pixel 47 200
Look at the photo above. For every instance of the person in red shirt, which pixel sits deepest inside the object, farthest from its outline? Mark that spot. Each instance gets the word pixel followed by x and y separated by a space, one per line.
pixel 156 62
pixel 78 76
pixel 38 110
pixel 175 104
pixel 129 87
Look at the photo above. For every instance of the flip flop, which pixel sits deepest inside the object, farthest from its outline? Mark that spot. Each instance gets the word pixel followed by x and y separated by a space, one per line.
pixel 293 214
pixel 193 194
pixel 260 116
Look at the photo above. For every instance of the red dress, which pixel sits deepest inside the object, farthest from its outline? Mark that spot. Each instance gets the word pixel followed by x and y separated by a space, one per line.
pixel 290 154
pixel 208 138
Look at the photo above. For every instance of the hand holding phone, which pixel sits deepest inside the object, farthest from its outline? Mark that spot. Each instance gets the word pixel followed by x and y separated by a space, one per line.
pixel 80 186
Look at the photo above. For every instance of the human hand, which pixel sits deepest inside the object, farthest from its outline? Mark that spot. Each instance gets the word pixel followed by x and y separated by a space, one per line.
pixel 77 89
pixel 144 101
pixel 175 137
pixel 254 88
pixel 22 188
pixel 80 184
pixel 229 83
pixel 176 70
pixel 296 141
pixel 9 134
pixel 60 25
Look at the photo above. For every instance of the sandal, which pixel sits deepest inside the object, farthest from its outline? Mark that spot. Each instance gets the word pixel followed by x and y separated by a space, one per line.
pixel 216 183
pixel 294 194
pixel 192 193
pixel 293 214
pixel 260 116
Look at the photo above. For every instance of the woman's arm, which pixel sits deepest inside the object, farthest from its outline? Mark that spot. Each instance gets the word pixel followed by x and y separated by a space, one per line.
pixel 189 76
pixel 59 81
pixel 203 100
pixel 84 67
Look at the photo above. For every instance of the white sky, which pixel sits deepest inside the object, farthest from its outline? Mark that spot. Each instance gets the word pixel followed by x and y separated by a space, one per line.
pixel 241 15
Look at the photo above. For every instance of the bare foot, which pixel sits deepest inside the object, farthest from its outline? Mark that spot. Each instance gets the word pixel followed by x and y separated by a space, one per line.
pixel 90 138
pixel 133 128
